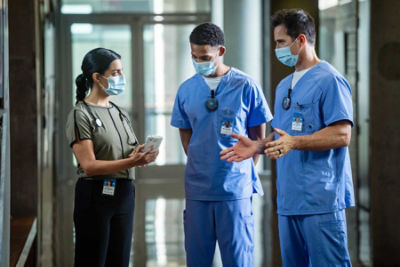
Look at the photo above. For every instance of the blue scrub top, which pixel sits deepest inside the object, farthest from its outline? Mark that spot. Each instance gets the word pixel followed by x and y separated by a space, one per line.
pixel 240 101
pixel 313 182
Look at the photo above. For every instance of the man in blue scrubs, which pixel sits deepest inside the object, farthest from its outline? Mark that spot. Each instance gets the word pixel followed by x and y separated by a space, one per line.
pixel 312 124
pixel 215 102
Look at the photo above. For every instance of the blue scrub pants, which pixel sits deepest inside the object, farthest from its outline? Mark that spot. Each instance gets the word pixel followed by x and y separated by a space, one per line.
pixel 314 240
pixel 229 222
pixel 103 224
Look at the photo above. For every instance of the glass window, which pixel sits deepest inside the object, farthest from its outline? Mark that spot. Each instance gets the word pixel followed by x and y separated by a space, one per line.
pixel 338 33
pixel 167 63
pixel 86 37
pixel 134 6
pixel 331 38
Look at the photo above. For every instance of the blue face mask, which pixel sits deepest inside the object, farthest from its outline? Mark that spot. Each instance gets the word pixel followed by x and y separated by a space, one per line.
pixel 204 68
pixel 285 56
pixel 116 85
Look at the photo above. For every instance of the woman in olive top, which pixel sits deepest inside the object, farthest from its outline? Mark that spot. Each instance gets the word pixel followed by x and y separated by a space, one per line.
pixel 106 148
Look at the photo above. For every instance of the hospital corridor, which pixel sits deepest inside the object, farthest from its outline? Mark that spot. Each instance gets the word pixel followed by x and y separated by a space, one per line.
pixel 199 133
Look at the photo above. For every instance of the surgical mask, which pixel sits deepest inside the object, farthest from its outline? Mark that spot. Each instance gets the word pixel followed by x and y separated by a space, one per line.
pixel 285 56
pixel 204 68
pixel 116 85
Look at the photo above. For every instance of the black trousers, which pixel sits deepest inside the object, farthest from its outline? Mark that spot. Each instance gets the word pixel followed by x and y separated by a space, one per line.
pixel 103 224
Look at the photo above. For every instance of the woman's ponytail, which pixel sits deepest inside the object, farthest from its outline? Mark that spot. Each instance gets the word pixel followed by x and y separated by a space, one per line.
pixel 82 87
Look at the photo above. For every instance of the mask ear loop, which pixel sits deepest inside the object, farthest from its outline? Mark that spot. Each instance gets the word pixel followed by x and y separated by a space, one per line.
pixel 293 42
pixel 105 88
pixel 290 46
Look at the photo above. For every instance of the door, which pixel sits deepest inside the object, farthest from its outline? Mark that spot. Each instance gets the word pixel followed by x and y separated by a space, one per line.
pixel 156 58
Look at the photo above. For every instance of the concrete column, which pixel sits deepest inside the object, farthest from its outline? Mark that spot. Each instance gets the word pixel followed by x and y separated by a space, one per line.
pixel 242 25
pixel 217 13
pixel 23 109
pixel 243 36
pixel 384 131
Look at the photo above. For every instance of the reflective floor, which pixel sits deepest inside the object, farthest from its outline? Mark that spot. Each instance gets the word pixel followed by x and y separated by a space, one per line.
pixel 164 235
pixel 164 232
pixel 165 238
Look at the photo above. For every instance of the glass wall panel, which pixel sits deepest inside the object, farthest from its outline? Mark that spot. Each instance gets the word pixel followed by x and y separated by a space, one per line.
pixel 363 117
pixel 134 6
pixel 86 37
pixel 167 63
pixel 343 42
pixel 158 56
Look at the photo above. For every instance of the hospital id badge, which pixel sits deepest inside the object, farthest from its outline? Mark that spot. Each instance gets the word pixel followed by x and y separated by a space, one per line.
pixel 297 122
pixel 109 186
pixel 226 126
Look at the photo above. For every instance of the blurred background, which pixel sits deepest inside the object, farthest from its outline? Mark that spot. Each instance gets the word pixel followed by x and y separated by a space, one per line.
pixel 42 44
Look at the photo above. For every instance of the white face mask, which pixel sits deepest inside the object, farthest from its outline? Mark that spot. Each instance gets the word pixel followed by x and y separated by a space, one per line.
pixel 116 85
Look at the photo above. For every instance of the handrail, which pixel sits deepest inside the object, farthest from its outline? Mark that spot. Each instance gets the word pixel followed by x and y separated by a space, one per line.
pixel 23 235
pixel 28 245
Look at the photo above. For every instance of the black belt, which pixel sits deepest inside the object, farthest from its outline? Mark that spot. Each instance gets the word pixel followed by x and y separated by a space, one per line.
pixel 94 178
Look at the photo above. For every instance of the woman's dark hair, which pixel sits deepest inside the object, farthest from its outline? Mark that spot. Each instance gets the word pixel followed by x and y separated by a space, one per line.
pixel 97 60
pixel 207 34
pixel 296 21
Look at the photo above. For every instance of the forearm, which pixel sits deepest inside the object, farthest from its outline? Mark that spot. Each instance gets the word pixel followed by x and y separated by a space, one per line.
pixel 328 138
pixel 84 154
pixel 101 167
pixel 185 146
pixel 257 133
pixel 261 143
pixel 186 135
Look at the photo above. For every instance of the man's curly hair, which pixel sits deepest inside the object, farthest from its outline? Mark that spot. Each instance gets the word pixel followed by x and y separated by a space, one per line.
pixel 207 34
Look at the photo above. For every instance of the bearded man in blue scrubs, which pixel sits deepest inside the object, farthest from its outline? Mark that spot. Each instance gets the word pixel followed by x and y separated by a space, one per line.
pixel 312 124
pixel 217 101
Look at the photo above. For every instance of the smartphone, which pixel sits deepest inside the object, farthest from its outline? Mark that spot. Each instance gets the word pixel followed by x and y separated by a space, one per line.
pixel 152 140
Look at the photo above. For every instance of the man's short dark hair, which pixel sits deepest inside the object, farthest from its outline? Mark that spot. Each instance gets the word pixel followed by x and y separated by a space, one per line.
pixel 296 21
pixel 207 34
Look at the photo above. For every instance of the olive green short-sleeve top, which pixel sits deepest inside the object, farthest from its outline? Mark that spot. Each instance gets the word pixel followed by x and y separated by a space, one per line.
pixel 110 130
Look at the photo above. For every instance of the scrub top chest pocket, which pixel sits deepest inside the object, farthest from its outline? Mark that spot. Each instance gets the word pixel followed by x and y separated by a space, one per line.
pixel 302 118
pixel 226 122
